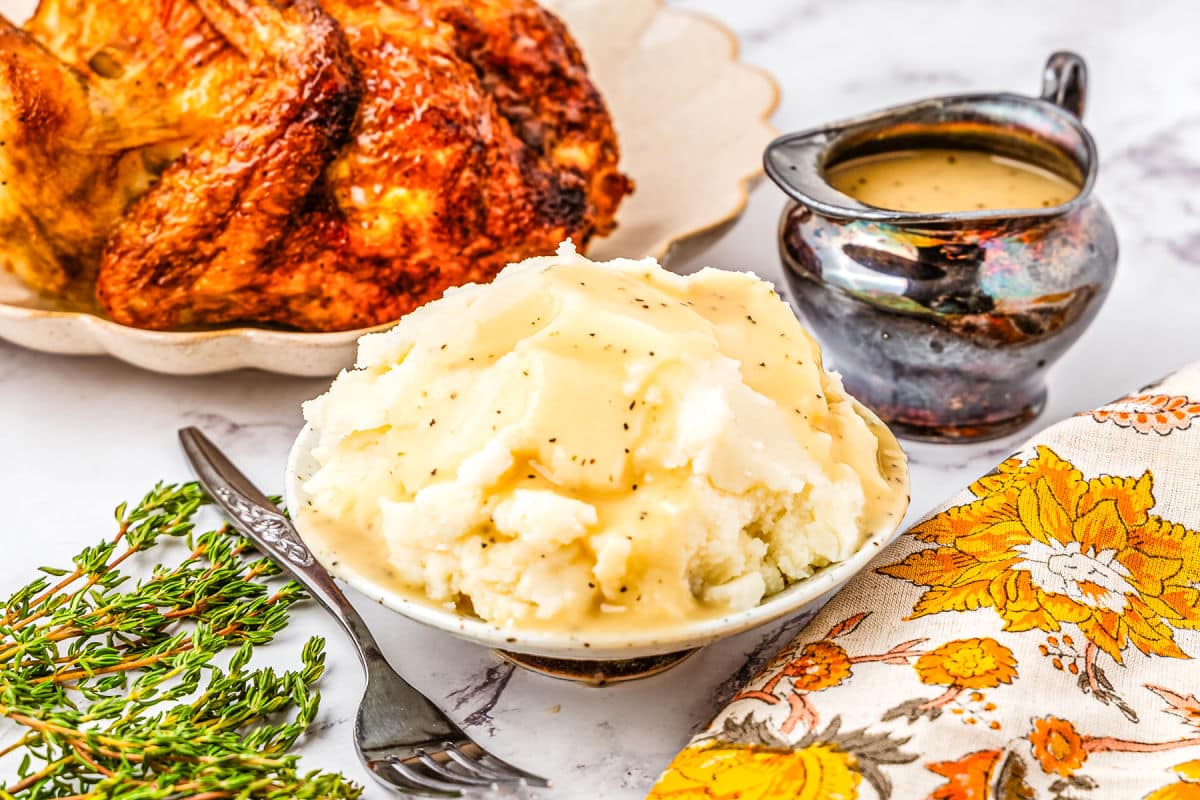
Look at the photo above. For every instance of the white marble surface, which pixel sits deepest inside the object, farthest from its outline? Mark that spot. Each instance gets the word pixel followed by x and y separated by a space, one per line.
pixel 81 434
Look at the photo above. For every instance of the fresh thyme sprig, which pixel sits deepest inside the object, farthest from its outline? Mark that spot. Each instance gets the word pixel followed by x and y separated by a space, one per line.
pixel 115 684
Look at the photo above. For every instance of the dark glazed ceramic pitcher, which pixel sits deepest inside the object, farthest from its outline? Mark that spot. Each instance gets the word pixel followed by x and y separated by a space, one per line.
pixel 945 323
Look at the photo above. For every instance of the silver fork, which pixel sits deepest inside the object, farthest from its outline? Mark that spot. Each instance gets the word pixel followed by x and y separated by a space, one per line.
pixel 405 741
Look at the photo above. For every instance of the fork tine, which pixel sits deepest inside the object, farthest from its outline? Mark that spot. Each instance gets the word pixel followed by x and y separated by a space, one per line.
pixel 442 771
pixel 410 773
pixel 472 766
pixel 385 772
pixel 471 756
pixel 517 773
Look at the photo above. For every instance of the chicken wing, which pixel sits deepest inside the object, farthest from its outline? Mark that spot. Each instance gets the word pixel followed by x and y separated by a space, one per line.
pixel 196 248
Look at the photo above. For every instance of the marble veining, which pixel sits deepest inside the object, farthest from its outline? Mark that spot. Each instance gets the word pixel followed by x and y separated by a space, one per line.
pixel 82 434
pixel 483 690
pixel 1187 248
pixel 1170 153
pixel 221 425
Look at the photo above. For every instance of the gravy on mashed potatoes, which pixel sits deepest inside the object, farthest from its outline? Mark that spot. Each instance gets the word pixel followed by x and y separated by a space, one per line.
pixel 579 445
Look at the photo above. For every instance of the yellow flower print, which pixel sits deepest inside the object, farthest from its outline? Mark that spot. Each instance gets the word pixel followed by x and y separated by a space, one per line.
pixel 1044 547
pixel 747 760
pixel 959 665
pixel 1186 789
pixel 968 663
pixel 820 771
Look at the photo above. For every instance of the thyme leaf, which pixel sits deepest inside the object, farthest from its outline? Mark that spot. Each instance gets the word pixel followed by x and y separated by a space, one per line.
pixel 125 689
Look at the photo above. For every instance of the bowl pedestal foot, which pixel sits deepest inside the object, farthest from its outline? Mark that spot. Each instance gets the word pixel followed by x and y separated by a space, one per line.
pixel 597 673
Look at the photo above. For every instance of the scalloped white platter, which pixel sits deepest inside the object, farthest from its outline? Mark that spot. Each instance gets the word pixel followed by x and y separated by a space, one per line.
pixel 679 97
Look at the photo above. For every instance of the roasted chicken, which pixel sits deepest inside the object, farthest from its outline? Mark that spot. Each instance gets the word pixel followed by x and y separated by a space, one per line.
pixel 322 166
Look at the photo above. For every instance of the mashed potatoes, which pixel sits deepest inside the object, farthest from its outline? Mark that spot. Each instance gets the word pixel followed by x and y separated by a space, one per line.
pixel 578 443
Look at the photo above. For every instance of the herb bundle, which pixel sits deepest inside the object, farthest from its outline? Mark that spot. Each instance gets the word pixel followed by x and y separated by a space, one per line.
pixel 116 685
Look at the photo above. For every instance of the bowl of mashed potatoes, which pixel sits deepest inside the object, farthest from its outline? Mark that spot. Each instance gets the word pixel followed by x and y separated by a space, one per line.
pixel 595 461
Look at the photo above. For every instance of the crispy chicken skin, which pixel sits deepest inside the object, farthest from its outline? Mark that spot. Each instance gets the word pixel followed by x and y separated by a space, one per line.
pixel 66 174
pixel 94 104
pixel 322 167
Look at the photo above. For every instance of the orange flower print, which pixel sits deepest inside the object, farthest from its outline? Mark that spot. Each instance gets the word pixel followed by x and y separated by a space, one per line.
pixel 815 666
pixel 1044 547
pixel 1057 746
pixel 968 778
pixel 818 665
pixel 968 663
pixel 1061 750
pixel 1150 413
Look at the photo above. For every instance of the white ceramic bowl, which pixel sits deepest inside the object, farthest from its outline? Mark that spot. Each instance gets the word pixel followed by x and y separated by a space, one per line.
pixel 632 644
pixel 692 122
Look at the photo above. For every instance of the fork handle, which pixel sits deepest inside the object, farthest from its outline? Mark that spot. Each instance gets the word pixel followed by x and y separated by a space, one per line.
pixel 275 536
pixel 256 517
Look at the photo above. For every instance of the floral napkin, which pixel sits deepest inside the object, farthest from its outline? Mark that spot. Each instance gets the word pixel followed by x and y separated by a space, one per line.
pixel 1036 637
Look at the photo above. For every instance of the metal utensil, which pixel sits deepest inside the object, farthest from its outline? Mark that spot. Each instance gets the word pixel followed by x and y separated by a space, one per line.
pixel 405 741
